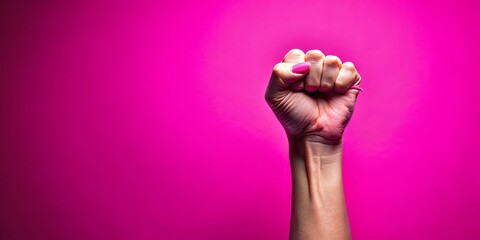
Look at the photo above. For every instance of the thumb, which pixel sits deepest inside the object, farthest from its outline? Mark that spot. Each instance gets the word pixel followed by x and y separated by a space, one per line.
pixel 289 72
pixel 283 75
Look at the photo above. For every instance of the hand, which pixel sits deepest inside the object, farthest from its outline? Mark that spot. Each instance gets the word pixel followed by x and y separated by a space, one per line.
pixel 312 95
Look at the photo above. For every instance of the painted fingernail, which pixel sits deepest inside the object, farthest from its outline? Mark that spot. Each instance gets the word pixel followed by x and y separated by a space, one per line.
pixel 301 67
pixel 357 88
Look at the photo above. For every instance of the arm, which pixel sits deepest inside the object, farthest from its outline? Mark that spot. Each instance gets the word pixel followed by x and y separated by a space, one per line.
pixel 318 204
pixel 313 97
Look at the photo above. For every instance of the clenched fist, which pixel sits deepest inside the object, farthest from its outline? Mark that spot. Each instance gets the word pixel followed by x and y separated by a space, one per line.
pixel 313 95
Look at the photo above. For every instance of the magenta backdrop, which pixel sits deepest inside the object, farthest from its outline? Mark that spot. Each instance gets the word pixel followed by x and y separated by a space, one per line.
pixel 146 120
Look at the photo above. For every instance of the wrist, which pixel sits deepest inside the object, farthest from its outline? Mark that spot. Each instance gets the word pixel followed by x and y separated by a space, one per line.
pixel 314 145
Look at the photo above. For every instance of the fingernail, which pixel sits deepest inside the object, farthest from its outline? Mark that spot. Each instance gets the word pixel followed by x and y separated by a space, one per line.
pixel 301 67
pixel 357 88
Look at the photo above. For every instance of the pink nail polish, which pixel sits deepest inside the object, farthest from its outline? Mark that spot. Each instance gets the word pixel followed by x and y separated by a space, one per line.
pixel 357 88
pixel 301 67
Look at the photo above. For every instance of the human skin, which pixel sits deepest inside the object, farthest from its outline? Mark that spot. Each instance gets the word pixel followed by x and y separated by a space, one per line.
pixel 313 97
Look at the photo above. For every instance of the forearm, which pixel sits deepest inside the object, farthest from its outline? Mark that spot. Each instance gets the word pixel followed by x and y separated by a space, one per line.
pixel 318 204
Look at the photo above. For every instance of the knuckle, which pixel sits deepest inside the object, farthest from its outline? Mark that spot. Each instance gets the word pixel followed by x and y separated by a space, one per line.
pixel 332 61
pixel 314 55
pixel 349 66
pixel 326 85
pixel 277 69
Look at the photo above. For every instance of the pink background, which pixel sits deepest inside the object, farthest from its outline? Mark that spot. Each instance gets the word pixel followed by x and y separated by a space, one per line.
pixel 146 120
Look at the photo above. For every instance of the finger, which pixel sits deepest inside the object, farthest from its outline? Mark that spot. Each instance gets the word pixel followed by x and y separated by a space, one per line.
pixel 295 56
pixel 294 59
pixel 293 68
pixel 312 80
pixel 290 73
pixel 283 75
pixel 298 85
pixel 347 77
pixel 331 68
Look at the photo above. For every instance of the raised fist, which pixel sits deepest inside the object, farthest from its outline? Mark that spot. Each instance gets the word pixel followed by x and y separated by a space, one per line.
pixel 313 95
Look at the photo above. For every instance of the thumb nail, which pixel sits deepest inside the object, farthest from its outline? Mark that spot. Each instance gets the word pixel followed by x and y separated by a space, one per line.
pixel 301 67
